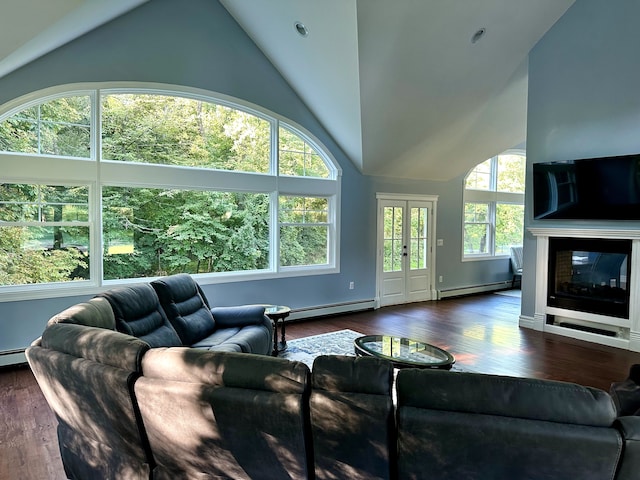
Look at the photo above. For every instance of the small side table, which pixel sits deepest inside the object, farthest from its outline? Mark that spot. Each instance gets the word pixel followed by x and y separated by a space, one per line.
pixel 277 314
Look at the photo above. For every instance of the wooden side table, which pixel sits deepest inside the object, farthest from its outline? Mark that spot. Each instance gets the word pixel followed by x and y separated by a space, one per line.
pixel 277 314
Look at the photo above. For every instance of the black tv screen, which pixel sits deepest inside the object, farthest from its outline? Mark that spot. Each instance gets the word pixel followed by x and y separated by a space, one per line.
pixel 606 188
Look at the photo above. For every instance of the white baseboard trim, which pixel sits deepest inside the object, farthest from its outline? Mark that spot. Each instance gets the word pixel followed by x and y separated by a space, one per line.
pixel 12 357
pixel 489 287
pixel 527 322
pixel 323 310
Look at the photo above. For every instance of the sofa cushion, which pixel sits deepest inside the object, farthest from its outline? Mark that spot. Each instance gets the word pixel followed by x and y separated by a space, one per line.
pixel 218 337
pixel 529 398
pixel 466 425
pixel 138 312
pixel 350 401
pixel 225 415
pixel 185 307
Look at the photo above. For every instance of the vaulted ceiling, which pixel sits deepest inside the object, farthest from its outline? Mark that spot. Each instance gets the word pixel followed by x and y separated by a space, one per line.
pixel 399 84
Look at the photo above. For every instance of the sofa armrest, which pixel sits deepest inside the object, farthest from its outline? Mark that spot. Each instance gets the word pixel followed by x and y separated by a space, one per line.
pixel 629 428
pixel 239 316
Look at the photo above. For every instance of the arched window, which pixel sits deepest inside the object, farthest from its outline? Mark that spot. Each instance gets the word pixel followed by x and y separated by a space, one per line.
pixel 494 206
pixel 105 185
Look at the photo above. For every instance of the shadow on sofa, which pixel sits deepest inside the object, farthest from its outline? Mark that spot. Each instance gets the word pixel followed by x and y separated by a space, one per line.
pixel 126 410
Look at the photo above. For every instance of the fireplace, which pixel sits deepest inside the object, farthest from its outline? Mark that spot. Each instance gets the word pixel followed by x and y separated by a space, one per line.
pixel 587 284
pixel 590 275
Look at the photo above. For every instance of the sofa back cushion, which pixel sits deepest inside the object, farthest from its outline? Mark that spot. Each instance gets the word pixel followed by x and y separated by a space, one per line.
pixel 138 312
pixel 185 306
pixel 96 312
pixel 465 425
pixel 231 415
pixel 352 421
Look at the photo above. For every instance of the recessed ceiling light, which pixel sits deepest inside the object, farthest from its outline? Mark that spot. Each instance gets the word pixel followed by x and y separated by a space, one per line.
pixel 478 35
pixel 301 29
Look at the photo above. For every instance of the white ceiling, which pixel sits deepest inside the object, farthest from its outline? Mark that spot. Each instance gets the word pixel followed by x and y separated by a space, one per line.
pixel 397 83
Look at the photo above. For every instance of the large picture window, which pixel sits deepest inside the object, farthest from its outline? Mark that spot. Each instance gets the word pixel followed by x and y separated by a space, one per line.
pixel 107 185
pixel 494 206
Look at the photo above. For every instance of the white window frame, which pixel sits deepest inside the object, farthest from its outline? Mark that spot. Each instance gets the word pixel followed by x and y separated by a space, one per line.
pixel 34 168
pixel 492 198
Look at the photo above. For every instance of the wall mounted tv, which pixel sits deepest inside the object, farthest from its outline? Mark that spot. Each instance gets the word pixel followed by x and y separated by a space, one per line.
pixel 606 188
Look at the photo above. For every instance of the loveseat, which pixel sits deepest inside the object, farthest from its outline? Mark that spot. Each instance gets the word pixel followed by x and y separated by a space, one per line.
pixel 126 410
pixel 174 311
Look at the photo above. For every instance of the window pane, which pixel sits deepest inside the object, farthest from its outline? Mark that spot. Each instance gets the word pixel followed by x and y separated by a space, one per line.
pixel 43 203
pixel 303 209
pixel 59 127
pixel 153 232
pixel 476 212
pixel 167 130
pixel 298 158
pixel 392 239
pixel 418 238
pixel 302 240
pixel 511 173
pixel 480 177
pixel 476 236
pixel 30 255
pixel 303 245
pixel 509 227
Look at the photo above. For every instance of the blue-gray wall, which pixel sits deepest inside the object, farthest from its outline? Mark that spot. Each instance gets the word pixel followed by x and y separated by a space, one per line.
pixel 197 44
pixel 584 100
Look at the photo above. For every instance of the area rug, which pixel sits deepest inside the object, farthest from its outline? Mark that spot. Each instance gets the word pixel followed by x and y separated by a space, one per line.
pixel 308 348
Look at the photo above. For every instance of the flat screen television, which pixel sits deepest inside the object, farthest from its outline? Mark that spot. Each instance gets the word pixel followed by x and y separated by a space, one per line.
pixel 606 188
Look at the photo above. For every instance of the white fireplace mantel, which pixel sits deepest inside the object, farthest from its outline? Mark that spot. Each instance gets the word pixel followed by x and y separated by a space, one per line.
pixel 584 232
pixel 630 340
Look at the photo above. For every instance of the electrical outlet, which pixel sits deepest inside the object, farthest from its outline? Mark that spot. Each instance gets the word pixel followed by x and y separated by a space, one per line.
pixel 352 285
pixel 440 279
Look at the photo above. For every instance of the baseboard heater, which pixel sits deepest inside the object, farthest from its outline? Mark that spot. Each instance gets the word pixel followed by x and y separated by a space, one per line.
pixel 488 287
pixel 12 357
pixel 586 328
pixel 332 309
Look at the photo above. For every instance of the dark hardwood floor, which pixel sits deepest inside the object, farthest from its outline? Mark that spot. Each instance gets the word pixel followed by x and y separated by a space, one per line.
pixel 480 331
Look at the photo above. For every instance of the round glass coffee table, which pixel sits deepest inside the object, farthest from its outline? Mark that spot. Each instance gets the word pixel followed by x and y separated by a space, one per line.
pixel 403 352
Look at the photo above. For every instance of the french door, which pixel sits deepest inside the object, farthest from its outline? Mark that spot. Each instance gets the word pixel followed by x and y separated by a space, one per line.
pixel 405 261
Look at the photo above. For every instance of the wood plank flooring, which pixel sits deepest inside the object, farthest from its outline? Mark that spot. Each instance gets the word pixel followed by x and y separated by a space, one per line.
pixel 480 331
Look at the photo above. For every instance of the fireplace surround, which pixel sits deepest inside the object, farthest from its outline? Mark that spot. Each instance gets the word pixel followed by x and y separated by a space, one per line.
pixel 587 285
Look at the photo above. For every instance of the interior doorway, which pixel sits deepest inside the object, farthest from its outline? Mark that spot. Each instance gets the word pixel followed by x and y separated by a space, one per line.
pixel 405 254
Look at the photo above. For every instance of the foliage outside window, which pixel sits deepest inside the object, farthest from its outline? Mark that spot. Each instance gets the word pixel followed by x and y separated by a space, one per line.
pixel 168 130
pixel 304 231
pixel 151 232
pixel 44 233
pixel 393 239
pixel 298 158
pixel 177 190
pixel 494 206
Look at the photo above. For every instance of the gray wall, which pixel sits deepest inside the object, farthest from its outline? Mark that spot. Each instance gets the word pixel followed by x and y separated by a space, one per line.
pixel 197 44
pixel 584 100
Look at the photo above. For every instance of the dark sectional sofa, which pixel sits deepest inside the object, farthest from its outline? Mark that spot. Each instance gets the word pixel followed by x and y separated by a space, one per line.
pixel 129 410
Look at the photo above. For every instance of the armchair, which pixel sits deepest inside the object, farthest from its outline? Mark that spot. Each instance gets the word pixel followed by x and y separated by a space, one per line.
pixel 516 264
